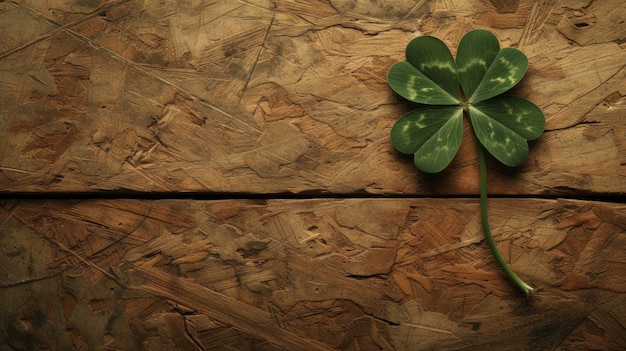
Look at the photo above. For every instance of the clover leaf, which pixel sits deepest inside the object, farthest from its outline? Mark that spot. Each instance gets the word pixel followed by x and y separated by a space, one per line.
pixel 470 85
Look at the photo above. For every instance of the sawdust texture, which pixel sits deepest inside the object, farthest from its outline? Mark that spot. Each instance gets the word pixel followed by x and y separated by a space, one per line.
pixel 287 96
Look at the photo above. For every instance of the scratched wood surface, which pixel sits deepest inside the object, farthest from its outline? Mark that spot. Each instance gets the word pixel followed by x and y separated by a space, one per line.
pixel 346 246
pixel 287 96
pixel 349 274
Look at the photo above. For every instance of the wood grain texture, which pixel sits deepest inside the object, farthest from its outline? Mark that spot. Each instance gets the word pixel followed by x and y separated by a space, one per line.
pixel 343 244
pixel 352 274
pixel 287 96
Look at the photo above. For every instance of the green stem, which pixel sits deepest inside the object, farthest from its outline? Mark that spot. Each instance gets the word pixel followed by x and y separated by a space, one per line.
pixel 526 289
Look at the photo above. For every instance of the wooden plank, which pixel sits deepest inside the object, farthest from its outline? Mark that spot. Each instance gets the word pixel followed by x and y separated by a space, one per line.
pixel 390 274
pixel 287 96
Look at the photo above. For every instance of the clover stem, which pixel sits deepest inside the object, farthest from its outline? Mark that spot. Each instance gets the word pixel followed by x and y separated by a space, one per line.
pixel 525 288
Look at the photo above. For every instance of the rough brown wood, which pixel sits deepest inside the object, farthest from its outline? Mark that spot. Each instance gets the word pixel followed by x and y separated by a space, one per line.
pixel 287 95
pixel 354 274
pixel 270 98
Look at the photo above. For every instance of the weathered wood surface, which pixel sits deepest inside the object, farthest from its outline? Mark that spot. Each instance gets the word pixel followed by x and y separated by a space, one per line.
pixel 287 96
pixel 290 97
pixel 352 274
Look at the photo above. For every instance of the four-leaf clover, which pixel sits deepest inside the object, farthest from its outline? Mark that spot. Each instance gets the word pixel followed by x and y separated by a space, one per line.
pixel 472 85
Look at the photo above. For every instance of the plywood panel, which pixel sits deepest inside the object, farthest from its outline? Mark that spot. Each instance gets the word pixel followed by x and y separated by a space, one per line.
pixel 344 245
pixel 351 274
pixel 287 96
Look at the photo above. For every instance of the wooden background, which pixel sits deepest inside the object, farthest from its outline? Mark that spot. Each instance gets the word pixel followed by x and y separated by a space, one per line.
pixel 217 174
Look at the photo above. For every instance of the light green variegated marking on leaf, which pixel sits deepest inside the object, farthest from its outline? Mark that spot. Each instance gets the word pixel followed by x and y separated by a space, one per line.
pixel 432 134
pixel 432 57
pixel 476 52
pixel 413 85
pixel 438 151
pixel 503 143
pixel 506 70
pixel 517 114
